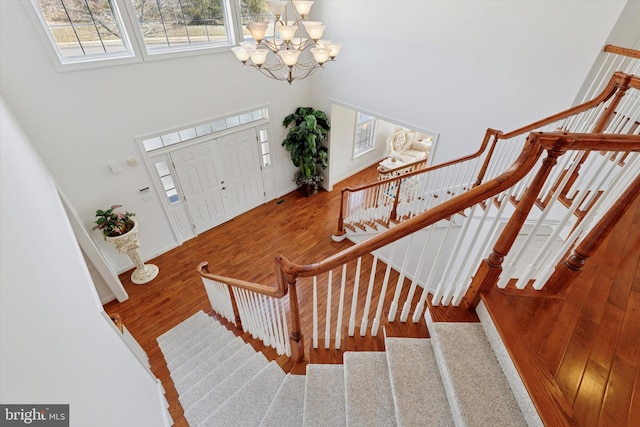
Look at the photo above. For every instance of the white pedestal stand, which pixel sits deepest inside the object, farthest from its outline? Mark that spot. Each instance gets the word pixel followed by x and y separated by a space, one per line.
pixel 128 243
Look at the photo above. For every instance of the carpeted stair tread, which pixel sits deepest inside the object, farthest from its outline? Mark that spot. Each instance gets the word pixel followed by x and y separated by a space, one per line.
pixel 206 365
pixel 286 409
pixel 324 401
pixel 177 330
pixel 469 369
pixel 212 337
pixel 418 393
pixel 201 356
pixel 225 389
pixel 216 371
pixel 368 397
pixel 194 337
pixel 249 404
pixel 214 340
pixel 174 338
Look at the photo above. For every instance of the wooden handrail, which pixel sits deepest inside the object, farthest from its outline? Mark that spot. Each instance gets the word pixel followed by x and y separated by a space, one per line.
pixel 115 317
pixel 397 179
pixel 617 85
pixel 278 290
pixel 559 142
pixel 285 285
pixel 622 51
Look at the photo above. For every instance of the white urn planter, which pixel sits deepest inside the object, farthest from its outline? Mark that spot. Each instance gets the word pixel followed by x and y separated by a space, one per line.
pixel 128 243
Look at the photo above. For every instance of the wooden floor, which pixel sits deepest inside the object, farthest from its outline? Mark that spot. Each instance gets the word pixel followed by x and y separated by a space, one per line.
pixel 589 338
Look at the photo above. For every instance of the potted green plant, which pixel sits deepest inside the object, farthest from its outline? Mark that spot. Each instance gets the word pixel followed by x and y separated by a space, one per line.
pixel 113 223
pixel 304 142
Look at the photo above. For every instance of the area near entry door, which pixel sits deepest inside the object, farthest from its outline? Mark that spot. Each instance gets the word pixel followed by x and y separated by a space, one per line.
pixel 200 174
pixel 220 178
pixel 243 174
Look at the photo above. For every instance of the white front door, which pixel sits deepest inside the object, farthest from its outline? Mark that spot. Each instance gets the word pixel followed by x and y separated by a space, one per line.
pixel 201 176
pixel 243 175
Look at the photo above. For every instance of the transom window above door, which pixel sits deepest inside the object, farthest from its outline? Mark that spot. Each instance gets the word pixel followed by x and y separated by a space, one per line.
pixel 203 129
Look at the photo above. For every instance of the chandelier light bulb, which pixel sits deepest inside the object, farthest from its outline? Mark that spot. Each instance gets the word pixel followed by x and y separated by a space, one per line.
pixel 259 56
pixel 335 49
pixel 314 29
pixel 289 57
pixel 287 32
pixel 277 7
pixel 303 7
pixel 241 53
pixel 320 54
pixel 257 30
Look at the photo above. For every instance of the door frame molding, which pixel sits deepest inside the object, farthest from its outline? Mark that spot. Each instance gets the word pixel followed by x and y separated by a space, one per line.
pixel 163 153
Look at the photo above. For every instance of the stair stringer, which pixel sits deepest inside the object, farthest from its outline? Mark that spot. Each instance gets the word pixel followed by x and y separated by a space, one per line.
pixel 511 373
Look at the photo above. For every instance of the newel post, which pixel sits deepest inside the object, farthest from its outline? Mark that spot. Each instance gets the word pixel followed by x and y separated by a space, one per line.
pixel 568 270
pixel 339 234
pixel 295 336
pixel 489 271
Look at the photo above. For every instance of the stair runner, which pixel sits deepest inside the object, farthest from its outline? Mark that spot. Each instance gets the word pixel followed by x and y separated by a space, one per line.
pixel 452 379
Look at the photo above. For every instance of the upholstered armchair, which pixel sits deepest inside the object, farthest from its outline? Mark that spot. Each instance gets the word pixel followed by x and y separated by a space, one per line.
pixel 408 146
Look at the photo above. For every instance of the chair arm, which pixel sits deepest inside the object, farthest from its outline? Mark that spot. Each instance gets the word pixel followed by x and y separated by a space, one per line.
pixel 420 146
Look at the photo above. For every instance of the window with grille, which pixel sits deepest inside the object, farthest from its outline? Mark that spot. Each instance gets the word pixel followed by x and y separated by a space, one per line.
pixel 167 181
pixel 364 134
pixel 219 125
pixel 169 25
pixel 84 30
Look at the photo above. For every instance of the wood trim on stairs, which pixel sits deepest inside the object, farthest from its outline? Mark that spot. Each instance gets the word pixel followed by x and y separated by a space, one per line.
pixel 553 408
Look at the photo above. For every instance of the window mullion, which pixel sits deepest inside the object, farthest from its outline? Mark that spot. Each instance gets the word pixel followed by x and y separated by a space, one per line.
pixel 184 21
pixel 95 25
pixel 73 27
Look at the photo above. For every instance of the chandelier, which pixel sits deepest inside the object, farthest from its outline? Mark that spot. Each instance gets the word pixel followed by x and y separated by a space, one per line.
pixel 295 50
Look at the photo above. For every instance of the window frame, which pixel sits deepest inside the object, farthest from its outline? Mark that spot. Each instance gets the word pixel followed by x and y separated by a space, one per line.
pixel 131 55
pixel 133 40
pixel 231 11
pixel 370 144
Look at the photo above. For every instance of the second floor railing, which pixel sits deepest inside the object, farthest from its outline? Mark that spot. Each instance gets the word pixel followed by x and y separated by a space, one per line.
pixel 407 192
pixel 467 242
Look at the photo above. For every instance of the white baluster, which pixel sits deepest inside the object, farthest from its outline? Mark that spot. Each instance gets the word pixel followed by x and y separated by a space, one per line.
pixel 383 292
pixel 327 329
pixel 315 312
pixel 354 300
pixel 403 271
pixel 367 302
pixel 341 306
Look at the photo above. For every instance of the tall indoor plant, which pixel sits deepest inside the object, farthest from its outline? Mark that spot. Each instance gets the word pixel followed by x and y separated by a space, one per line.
pixel 305 144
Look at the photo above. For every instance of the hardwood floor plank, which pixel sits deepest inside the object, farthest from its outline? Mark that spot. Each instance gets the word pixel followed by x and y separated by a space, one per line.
pixel 618 395
pixel 589 395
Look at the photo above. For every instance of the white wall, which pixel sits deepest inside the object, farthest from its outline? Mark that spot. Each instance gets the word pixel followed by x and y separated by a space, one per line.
pixel 341 162
pixel 453 67
pixel 458 67
pixel 81 120
pixel 56 345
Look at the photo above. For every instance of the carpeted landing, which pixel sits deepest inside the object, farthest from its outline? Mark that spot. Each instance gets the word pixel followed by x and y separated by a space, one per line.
pixel 452 379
